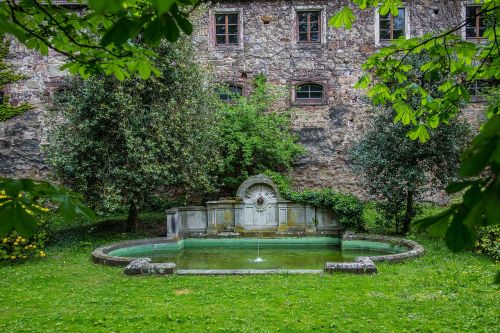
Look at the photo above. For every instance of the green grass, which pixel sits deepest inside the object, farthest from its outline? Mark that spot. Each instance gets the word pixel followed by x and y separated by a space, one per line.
pixel 66 292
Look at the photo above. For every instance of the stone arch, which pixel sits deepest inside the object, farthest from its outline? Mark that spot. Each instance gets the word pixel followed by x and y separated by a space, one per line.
pixel 254 180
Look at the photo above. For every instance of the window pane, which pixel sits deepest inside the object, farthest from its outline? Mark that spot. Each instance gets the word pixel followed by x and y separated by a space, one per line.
pixel 232 19
pixel 470 32
pixel 220 29
pixel 398 33
pixel 314 17
pixel 232 29
pixel 303 27
pixel 302 17
pixel 399 22
pixel 303 37
pixel 220 19
pixel 301 95
pixel 236 90
pixel 470 11
pixel 316 94
pixel 314 27
pixel 314 37
pixel 233 39
pixel 221 39
pixel 385 34
pixel 385 25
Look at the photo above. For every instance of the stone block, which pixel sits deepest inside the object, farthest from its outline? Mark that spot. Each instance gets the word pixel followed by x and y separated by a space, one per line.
pixel 143 266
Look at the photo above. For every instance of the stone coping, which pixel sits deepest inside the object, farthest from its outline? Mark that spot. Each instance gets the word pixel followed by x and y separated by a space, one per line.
pixel 361 265
pixel 414 249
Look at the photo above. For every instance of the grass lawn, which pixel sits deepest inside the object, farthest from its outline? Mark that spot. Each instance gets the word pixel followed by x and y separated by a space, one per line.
pixel 66 292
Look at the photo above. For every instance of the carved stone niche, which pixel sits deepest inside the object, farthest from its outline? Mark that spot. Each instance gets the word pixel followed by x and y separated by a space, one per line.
pixel 259 207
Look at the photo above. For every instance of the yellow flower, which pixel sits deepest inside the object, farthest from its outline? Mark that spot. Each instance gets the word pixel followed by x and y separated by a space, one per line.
pixel 5 240
pixel 12 257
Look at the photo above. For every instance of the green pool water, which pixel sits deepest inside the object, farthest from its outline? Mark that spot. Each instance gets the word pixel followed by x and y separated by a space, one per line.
pixel 302 253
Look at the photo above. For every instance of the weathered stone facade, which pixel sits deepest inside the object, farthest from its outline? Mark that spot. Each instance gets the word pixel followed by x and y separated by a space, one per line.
pixel 268 45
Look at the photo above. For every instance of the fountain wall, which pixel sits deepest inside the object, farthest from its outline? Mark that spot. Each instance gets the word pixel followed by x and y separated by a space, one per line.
pixel 257 208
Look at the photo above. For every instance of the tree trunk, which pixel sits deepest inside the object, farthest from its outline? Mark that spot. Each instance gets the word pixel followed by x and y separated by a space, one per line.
pixel 409 213
pixel 133 218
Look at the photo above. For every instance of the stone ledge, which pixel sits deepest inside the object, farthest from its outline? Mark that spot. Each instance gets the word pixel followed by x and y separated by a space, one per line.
pixel 143 266
pixel 100 255
pixel 415 250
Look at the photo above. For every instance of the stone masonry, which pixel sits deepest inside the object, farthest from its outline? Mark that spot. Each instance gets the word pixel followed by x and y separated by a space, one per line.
pixel 268 45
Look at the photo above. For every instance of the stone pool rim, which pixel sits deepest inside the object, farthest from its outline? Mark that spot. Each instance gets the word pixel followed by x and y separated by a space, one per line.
pixel 365 264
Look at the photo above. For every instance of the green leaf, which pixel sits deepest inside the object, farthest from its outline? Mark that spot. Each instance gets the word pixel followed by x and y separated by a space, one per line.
pixel 458 186
pixel 144 70
pixel 12 187
pixel 343 18
pixel 109 6
pixel 14 216
pixel 458 236
pixel 162 6
pixel 171 31
pixel 122 31
pixel 428 221
pixel 154 32
pixel 476 161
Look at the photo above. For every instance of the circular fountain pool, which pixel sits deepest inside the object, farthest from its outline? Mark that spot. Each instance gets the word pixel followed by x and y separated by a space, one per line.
pixel 279 254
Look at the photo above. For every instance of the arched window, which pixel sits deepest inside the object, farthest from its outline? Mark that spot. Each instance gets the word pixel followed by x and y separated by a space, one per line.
pixel 229 92
pixel 309 93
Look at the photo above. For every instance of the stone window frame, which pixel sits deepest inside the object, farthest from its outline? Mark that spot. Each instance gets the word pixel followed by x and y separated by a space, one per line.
pixel 463 32
pixel 309 102
pixel 378 41
pixel 212 44
pixel 322 23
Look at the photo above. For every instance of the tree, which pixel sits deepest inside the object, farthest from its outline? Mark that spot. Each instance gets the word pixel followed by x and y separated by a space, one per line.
pixel 256 138
pixel 121 141
pixel 399 171
pixel 463 63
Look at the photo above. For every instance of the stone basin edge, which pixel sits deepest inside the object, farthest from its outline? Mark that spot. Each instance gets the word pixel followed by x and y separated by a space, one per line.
pixel 361 265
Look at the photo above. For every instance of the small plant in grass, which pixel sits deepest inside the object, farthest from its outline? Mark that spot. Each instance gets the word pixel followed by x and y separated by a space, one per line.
pixel 488 241
pixel 14 247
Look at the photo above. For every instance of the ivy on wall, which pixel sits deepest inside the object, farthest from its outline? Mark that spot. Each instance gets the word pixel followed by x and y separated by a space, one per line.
pixel 7 76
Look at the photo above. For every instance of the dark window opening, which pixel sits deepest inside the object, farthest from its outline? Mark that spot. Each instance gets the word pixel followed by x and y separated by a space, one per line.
pixel 474 25
pixel 392 27
pixel 226 29
pixel 309 27
pixel 2 96
pixel 230 92
pixel 309 92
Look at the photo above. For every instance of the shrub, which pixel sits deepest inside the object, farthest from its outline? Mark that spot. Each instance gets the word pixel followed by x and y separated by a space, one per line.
pixel 121 141
pixel 488 241
pixel 256 137
pixel 346 207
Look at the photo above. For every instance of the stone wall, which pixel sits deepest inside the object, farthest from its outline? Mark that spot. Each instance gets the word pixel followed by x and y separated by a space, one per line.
pixel 327 130
pixel 21 137
pixel 269 46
